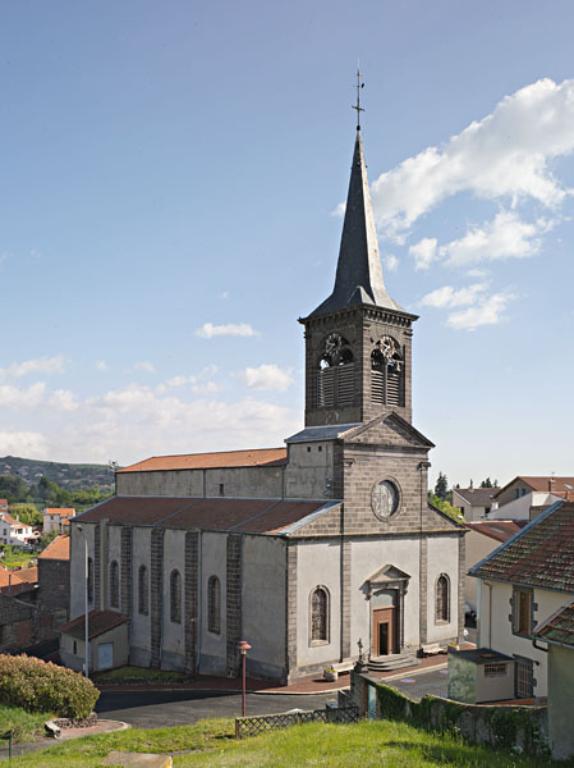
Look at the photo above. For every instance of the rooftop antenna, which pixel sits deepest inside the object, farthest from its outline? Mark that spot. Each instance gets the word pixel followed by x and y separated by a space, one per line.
pixel 357 106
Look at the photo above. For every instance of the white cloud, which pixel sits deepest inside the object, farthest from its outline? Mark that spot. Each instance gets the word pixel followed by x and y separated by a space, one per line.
pixel 101 365
pixel 424 252
pixel 25 444
pixel 64 400
pixel 488 311
pixel 506 155
pixel 507 236
pixel 145 366
pixel 209 330
pixel 267 376
pixel 21 397
pixel 391 262
pixel 38 365
pixel 447 296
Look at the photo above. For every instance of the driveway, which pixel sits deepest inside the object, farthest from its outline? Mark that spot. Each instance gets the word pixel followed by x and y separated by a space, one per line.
pixel 416 686
pixel 161 708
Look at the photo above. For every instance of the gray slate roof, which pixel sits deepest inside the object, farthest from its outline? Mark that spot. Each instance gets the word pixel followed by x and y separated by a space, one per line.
pixel 329 432
pixel 478 497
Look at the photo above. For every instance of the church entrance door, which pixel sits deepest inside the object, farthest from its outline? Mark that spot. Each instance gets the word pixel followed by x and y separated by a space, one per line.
pixel 384 632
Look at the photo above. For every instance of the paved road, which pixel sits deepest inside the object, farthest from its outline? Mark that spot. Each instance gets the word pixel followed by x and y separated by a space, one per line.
pixel 155 710
pixel 416 686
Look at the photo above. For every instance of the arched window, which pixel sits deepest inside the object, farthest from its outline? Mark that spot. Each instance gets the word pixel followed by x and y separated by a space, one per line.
pixel 114 584
pixel 143 591
pixel 387 373
pixel 214 605
pixel 442 599
pixel 320 615
pixel 90 580
pixel 335 377
pixel 175 597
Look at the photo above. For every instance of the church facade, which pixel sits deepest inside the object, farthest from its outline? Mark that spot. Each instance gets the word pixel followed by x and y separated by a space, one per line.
pixel 302 550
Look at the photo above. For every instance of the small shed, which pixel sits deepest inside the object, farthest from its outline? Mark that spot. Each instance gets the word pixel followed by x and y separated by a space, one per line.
pixel 108 641
pixel 479 675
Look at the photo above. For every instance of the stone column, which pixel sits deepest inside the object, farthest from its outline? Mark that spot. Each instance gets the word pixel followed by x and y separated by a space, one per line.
pixel 97 588
pixel 126 572
pixel 156 592
pixel 291 608
pixel 191 599
pixel 233 607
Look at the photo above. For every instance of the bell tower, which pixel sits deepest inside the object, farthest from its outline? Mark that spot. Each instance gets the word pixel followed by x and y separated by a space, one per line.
pixel 358 342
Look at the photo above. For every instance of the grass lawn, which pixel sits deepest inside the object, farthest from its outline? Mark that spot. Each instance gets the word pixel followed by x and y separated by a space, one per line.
pixel 137 675
pixel 210 743
pixel 17 559
pixel 26 725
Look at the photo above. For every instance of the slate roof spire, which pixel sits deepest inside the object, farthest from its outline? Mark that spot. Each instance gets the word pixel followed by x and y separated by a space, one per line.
pixel 359 277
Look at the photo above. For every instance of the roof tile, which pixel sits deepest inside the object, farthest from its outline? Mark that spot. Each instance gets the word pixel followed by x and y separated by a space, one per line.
pixel 259 457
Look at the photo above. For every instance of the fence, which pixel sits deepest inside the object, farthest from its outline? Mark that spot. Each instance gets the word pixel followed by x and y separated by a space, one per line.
pixel 253 726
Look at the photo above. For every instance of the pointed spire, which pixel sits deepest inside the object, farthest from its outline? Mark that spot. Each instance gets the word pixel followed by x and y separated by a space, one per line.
pixel 359 277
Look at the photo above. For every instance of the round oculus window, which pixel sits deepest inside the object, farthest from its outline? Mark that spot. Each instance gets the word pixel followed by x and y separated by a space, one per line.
pixel 385 499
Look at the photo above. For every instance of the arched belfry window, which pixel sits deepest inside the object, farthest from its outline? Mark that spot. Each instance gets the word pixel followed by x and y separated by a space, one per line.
pixel 320 615
pixel 442 598
pixel 336 374
pixel 387 373
pixel 175 597
pixel 143 591
pixel 214 605
pixel 114 584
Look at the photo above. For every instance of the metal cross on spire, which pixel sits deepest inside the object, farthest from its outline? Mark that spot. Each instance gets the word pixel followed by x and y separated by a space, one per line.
pixel 358 106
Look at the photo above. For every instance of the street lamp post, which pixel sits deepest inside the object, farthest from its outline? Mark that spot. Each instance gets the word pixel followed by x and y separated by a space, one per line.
pixel 243 646
pixel 86 603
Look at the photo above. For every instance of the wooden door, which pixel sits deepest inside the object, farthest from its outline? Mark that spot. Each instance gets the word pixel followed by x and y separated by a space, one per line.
pixel 383 632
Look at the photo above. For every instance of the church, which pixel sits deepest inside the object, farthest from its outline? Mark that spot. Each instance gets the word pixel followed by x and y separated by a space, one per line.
pixel 307 551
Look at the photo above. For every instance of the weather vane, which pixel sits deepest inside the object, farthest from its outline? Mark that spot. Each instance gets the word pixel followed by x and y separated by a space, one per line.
pixel 358 106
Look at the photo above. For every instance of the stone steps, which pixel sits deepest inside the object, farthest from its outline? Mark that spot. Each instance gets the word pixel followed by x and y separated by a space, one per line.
pixel 392 661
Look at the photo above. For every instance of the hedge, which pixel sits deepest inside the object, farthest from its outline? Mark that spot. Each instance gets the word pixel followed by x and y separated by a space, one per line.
pixel 40 686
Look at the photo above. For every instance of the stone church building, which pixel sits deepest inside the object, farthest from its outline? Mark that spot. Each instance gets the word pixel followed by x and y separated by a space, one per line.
pixel 303 550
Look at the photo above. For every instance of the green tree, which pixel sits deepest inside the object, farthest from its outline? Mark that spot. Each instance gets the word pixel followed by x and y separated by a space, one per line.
pixel 27 513
pixel 441 486
pixel 487 483
pixel 13 488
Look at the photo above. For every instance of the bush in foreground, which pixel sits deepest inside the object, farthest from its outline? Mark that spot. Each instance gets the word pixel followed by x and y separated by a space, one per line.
pixel 40 686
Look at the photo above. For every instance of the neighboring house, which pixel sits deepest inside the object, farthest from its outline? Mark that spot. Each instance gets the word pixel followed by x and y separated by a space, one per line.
pixel 107 637
pixel 3 505
pixel 15 533
pixel 56 519
pixel 14 581
pixel 18 591
pixel 558 633
pixel 54 586
pixel 474 503
pixel 301 550
pixel 526 496
pixel 482 538
pixel 521 584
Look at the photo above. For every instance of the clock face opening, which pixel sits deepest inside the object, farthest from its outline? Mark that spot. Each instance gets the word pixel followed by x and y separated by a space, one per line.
pixel 385 499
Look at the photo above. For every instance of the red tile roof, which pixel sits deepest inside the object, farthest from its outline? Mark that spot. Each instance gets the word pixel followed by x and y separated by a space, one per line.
pixel 8 519
pixel 98 623
pixel 549 483
pixel 240 515
pixel 558 628
pixel 500 530
pixel 259 457
pixel 61 511
pixel 58 549
pixel 540 555
pixel 18 580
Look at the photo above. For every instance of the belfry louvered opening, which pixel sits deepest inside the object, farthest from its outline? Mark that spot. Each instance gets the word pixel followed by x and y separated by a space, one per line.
pixel 387 373
pixel 336 374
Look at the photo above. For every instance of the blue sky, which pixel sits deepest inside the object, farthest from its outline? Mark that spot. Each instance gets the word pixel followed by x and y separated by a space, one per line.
pixel 170 165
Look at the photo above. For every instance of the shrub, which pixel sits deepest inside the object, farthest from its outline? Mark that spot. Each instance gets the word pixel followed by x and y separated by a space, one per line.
pixel 40 686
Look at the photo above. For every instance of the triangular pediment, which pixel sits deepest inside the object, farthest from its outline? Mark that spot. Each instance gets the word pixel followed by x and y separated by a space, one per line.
pixel 388 574
pixel 388 429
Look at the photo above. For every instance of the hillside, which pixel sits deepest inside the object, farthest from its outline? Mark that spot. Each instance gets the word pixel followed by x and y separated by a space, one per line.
pixel 68 476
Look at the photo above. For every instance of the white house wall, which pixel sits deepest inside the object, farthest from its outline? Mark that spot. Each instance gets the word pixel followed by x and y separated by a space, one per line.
pixel 263 604
pixel 442 557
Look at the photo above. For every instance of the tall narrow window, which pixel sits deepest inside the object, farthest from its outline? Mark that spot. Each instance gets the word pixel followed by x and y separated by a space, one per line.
pixel 522 612
pixel 114 584
pixel 90 580
pixel 143 591
pixel 336 376
pixel 214 605
pixel 319 615
pixel 442 599
pixel 175 597
pixel 387 373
